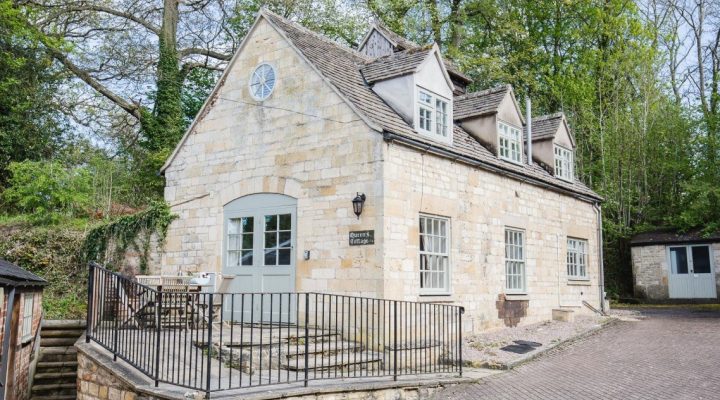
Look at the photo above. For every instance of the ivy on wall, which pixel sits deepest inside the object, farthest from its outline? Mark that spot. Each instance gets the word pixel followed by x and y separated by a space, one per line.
pixel 109 243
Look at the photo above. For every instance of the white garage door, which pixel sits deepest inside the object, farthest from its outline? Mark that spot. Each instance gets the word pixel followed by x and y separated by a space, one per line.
pixel 692 274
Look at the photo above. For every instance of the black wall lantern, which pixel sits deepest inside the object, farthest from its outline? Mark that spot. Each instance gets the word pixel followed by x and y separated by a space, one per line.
pixel 358 202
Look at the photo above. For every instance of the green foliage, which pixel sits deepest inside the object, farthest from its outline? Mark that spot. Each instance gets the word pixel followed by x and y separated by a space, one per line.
pixel 29 127
pixel 52 253
pixel 109 242
pixel 47 191
pixel 703 207
pixel 198 85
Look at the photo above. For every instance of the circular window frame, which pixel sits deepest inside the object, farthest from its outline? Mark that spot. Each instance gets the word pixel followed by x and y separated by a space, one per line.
pixel 250 81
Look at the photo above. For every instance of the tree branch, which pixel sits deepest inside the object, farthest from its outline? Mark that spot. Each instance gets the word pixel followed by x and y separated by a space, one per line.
pixel 107 10
pixel 204 52
pixel 131 108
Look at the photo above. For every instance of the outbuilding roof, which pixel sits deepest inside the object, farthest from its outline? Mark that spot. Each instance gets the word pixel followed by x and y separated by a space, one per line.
pixel 672 236
pixel 343 69
pixel 12 275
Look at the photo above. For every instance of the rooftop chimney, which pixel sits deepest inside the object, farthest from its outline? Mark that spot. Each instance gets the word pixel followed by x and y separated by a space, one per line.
pixel 528 128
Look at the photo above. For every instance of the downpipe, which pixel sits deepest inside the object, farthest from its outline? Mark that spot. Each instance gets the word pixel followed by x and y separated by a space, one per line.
pixel 601 261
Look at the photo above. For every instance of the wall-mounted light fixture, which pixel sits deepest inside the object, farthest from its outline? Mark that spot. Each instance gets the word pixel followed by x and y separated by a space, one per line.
pixel 358 202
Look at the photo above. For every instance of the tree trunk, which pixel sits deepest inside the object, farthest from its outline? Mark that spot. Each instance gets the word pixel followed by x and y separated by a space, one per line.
pixel 164 128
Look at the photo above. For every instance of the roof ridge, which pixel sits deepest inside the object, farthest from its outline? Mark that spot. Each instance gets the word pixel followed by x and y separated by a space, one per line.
pixel 398 54
pixel 319 36
pixel 546 117
pixel 495 89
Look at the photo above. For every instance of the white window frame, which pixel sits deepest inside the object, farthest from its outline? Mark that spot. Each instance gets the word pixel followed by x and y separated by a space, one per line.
pixel 27 319
pixel 436 248
pixel 437 129
pixel 577 259
pixel 515 258
pixel 563 162
pixel 509 136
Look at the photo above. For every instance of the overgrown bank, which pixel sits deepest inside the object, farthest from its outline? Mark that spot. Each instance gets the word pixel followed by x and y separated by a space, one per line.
pixel 60 253
pixel 54 254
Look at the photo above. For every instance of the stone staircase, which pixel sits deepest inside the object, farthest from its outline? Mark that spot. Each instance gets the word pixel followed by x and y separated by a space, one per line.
pixel 328 354
pixel 56 372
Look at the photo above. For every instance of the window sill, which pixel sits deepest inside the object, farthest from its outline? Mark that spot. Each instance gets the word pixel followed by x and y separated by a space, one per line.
pixel 579 282
pixel 448 294
pixel 517 296
pixel 510 160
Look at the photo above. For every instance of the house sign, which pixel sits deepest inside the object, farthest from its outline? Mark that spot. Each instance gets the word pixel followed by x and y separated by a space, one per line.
pixel 360 238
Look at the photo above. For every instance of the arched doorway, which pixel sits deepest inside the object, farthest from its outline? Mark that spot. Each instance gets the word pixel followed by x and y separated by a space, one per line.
pixel 259 251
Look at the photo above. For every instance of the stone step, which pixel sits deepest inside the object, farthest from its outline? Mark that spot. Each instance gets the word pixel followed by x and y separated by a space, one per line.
pixel 50 324
pixel 54 377
pixel 326 348
pixel 56 354
pixel 56 397
pixel 55 389
pixel 57 341
pixel 61 333
pixel 350 361
pixel 56 366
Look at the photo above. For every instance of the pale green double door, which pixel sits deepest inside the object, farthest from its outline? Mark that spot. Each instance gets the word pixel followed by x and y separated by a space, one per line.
pixel 259 252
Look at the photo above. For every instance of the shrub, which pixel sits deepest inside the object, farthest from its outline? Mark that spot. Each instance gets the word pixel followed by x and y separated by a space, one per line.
pixel 47 191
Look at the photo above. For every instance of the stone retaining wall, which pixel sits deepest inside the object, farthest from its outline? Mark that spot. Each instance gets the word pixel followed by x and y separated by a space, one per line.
pixel 100 378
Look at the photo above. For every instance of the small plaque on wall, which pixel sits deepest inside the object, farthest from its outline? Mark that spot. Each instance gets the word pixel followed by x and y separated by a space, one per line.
pixel 361 238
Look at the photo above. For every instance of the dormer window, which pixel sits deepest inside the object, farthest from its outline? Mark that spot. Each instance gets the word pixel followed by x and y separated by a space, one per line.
pixel 433 117
pixel 563 163
pixel 510 142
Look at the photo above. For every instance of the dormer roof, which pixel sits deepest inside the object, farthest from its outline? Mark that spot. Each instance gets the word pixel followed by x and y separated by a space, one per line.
pixel 484 102
pixel 403 63
pixel 547 127
pixel 398 64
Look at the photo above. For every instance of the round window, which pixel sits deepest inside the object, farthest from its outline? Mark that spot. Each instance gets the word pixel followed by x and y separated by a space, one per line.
pixel 262 82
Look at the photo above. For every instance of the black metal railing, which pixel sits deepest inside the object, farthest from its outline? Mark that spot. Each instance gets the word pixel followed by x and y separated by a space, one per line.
pixel 220 341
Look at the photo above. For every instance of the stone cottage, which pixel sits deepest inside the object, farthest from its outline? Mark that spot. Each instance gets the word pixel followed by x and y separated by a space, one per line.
pixel 669 265
pixel 20 316
pixel 374 172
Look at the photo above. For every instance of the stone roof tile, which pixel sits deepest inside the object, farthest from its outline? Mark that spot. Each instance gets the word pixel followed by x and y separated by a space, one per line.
pixel 341 66
pixel 479 103
pixel 401 63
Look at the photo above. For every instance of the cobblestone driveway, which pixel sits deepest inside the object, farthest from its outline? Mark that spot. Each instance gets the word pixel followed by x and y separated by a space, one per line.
pixel 671 354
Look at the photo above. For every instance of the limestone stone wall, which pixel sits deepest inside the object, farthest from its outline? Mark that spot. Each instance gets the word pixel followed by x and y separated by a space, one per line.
pixel 101 382
pixel 100 378
pixel 480 205
pixel 242 147
pixel 650 270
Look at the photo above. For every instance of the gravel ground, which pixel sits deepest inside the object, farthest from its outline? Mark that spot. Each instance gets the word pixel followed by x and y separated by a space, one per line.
pixel 483 350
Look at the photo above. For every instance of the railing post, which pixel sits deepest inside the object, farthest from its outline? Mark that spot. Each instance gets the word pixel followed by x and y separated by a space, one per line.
pixel 90 300
pixel 158 326
pixel 209 344
pixel 117 313
pixel 395 333
pixel 307 336
pixel 461 311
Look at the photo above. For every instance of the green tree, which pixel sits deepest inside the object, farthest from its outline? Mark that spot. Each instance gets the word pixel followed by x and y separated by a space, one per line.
pixel 28 127
pixel 47 191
